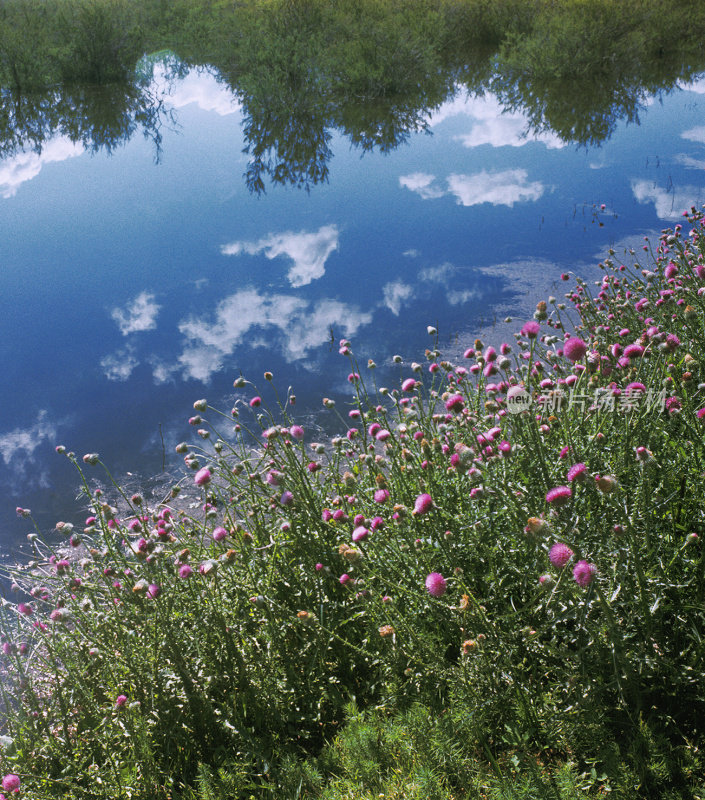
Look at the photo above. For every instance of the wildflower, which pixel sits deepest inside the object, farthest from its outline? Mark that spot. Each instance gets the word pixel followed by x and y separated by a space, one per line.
pixel 583 572
pixel 455 403
pixel 287 498
pixel 606 484
pixel 256 401
pixel 408 385
pixel 560 554
pixel 381 495
pixel 531 329
pixel 436 584
pixel 202 477
pixel 120 701
pixel 576 473
pixel 185 571
pixel 219 534
pixel 360 533
pixel 423 504
pixel 386 630
pixel 558 496
pixel 468 646
pixel 344 579
pixel 26 609
pixel 154 590
pixel 574 349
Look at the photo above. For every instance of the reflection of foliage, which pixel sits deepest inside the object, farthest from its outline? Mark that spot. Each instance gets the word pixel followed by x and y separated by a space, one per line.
pixel 97 117
pixel 585 66
pixel 372 69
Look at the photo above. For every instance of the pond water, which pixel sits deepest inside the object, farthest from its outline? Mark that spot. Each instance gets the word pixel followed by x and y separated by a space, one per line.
pixel 138 278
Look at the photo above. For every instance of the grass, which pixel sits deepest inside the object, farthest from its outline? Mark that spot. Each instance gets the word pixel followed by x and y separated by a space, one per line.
pixel 455 596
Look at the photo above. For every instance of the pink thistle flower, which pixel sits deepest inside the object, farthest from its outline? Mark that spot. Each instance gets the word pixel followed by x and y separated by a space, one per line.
pixel 422 505
pixel 382 435
pixel 185 571
pixel 297 432
pixel 584 572
pixel 26 609
pixel 219 534
pixel 436 584
pixel 202 477
pixel 576 472
pixel 376 522
pixel 344 579
pixel 408 385
pixel 256 401
pixel 374 428
pixel 558 496
pixel 154 590
pixel 455 403
pixel 360 534
pixel 560 554
pixel 574 349
pixel 633 351
pixel 700 413
pixel 11 783
pixel 531 329
pixel 120 701
pixel 381 495
pixel 287 498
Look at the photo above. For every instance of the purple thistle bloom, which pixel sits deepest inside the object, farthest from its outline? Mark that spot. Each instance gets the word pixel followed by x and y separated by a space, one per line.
pixel 219 534
pixel 119 702
pixel 577 472
pixel 11 783
pixel 531 329
pixel 409 385
pixel 455 403
pixel 154 590
pixel 574 348
pixel 360 534
pixel 558 496
pixel 560 554
pixel 297 432
pixel 423 504
pixel 584 572
pixel 436 584
pixel 381 495
pixel 202 477
pixel 633 351
pixel 185 571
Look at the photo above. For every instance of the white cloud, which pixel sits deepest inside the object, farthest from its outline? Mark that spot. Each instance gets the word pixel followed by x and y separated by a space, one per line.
pixel 695 134
pixel 456 298
pixel 308 251
pixel 439 274
pixel 395 294
pixel 17 447
pixel 423 184
pixel 499 188
pixel 697 86
pixel 688 161
pixel 199 87
pixel 411 253
pixel 140 314
pixel 291 323
pixel 120 365
pixel 27 165
pixel 491 124
pixel 669 205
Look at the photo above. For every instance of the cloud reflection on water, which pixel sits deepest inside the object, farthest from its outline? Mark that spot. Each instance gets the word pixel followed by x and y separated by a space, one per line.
pixel 308 251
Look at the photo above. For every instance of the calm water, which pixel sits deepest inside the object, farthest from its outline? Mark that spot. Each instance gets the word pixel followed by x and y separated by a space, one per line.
pixel 133 283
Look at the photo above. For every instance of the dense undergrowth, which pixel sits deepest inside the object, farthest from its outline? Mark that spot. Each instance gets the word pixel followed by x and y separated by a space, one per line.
pixel 489 583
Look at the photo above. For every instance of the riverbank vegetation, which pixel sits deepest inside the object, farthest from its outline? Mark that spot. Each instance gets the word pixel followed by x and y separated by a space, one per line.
pixel 487 583
pixel 300 69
